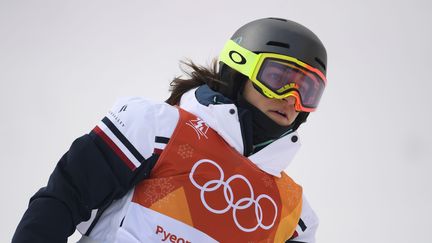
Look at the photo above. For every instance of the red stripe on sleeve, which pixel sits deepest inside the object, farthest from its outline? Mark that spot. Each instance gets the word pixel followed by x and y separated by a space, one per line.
pixel 114 147
pixel 157 151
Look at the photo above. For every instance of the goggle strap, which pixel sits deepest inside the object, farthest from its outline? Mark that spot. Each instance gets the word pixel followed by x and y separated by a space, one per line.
pixel 239 58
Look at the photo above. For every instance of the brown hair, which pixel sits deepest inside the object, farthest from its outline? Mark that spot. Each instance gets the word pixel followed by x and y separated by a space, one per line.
pixel 196 75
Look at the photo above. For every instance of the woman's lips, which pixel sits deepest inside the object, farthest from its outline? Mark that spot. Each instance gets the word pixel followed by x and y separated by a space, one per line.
pixel 280 113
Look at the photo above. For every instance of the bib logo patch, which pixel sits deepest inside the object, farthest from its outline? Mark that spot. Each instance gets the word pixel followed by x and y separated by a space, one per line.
pixel 199 126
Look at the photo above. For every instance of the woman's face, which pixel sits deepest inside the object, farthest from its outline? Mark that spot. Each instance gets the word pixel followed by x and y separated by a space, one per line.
pixel 281 111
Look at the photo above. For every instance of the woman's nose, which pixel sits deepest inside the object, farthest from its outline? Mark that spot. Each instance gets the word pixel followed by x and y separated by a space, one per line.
pixel 290 100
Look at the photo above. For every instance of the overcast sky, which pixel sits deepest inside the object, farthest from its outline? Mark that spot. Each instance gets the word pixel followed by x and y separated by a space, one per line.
pixel 365 164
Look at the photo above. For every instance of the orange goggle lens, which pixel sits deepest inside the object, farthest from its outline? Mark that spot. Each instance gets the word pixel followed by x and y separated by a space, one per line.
pixel 284 78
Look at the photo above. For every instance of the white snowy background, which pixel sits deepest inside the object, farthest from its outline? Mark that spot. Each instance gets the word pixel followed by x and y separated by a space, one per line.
pixel 366 159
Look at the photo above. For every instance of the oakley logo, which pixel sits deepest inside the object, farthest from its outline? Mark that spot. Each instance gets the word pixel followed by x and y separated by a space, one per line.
pixel 240 204
pixel 236 57
pixel 199 126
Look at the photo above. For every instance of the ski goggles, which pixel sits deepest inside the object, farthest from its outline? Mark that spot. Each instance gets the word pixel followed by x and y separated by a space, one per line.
pixel 277 76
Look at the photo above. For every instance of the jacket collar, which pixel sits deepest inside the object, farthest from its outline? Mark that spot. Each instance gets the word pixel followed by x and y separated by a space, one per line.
pixel 222 116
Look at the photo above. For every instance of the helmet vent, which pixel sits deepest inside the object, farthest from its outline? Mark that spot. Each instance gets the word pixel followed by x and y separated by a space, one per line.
pixel 280 44
pixel 320 62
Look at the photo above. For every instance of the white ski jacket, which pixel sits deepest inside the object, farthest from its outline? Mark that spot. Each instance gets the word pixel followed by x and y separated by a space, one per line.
pixel 140 121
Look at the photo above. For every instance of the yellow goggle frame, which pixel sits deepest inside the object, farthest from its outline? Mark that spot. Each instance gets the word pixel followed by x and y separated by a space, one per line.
pixel 249 63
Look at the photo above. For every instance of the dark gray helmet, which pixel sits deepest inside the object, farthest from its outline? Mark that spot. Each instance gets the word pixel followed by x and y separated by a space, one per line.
pixel 274 35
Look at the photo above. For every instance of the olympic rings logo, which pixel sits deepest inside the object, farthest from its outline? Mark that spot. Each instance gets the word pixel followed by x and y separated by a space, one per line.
pixel 240 204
